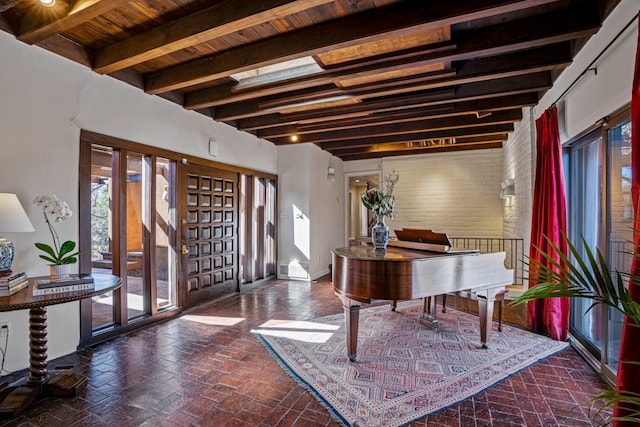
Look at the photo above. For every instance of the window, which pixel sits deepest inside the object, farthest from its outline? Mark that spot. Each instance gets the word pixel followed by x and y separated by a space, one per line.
pixel 132 234
pixel 168 225
pixel 600 211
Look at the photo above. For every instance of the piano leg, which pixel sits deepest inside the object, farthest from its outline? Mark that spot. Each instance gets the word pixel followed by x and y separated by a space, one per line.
pixel 352 317
pixel 485 310
pixel 428 317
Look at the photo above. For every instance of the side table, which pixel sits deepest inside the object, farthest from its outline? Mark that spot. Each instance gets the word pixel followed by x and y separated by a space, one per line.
pixel 17 396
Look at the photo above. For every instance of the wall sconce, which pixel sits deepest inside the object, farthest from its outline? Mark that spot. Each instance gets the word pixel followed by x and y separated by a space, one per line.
pixel 508 189
pixel 331 174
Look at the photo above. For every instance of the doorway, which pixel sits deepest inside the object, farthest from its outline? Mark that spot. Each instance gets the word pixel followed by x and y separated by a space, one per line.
pixel 358 218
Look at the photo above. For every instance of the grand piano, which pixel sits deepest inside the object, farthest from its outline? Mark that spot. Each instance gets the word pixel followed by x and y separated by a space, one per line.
pixel 362 275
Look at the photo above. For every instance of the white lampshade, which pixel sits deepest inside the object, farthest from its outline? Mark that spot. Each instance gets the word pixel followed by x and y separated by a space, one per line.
pixel 13 218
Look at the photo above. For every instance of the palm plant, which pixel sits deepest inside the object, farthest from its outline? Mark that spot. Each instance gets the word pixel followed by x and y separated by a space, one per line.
pixel 588 276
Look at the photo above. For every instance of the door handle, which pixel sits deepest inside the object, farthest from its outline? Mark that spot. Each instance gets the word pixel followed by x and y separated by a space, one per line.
pixel 184 249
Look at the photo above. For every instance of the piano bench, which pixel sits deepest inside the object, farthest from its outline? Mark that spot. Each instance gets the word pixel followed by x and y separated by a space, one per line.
pixel 499 299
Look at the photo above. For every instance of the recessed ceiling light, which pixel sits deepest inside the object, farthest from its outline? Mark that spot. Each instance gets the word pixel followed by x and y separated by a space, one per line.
pixel 293 138
pixel 48 3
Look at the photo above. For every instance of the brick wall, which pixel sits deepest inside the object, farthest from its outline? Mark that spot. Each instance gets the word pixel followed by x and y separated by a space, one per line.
pixel 457 193
pixel 519 165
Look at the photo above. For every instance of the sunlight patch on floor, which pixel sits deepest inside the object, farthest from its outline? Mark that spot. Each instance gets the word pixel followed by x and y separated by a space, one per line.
pixel 213 320
pixel 134 301
pixel 298 330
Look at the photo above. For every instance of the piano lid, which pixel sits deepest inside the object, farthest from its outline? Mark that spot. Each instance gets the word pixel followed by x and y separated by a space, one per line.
pixel 426 240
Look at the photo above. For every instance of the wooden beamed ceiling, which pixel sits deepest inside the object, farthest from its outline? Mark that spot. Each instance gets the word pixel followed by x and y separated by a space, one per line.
pixel 374 78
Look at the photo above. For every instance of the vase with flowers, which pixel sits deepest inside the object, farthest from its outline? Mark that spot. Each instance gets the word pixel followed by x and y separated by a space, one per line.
pixel 59 256
pixel 381 202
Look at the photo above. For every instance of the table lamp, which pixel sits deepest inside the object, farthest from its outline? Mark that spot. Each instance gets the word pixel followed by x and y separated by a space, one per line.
pixel 13 219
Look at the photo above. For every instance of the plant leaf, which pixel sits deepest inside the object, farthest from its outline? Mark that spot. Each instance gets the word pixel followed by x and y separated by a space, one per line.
pixel 46 258
pixel 66 247
pixel 46 248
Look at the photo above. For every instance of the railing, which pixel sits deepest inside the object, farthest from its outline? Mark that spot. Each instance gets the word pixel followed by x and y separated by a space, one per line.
pixel 621 256
pixel 514 248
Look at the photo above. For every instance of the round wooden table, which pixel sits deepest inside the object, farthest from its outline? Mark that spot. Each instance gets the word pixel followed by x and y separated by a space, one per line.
pixel 61 382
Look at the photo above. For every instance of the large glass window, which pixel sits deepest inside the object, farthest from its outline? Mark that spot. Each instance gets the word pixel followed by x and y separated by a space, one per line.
pixel 132 234
pixel 584 223
pixel 164 223
pixel 620 223
pixel 600 212
pixel 258 226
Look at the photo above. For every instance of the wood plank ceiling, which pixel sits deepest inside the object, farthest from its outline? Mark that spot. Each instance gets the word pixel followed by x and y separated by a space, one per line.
pixel 359 78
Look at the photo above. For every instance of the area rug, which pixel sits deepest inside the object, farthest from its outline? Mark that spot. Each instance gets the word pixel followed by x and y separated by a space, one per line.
pixel 404 371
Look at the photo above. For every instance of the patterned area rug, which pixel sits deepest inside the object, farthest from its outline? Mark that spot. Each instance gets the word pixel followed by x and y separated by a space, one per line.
pixel 404 371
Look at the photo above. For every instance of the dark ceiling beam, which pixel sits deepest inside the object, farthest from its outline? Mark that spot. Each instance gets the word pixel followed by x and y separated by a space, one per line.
pixel 66 48
pixel 40 23
pixel 417 136
pixel 482 69
pixel 475 43
pixel 370 66
pixel 480 90
pixel 496 137
pixel 257 107
pixel 286 127
pixel 376 119
pixel 426 125
pixel 373 25
pixel 415 151
pixel 225 113
pixel 217 21
pixel 437 111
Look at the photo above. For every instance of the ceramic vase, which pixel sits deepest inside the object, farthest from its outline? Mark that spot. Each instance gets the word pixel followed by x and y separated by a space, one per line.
pixel 380 235
pixel 58 271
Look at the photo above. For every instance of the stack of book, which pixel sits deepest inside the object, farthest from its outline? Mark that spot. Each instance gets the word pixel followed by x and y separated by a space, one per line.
pixel 9 285
pixel 72 283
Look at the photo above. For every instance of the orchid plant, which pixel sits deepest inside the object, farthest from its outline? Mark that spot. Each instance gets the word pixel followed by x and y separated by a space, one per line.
pixel 57 210
pixel 381 201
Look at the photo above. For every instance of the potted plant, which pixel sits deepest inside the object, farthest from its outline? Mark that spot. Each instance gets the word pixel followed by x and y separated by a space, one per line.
pixel 381 202
pixel 589 276
pixel 61 256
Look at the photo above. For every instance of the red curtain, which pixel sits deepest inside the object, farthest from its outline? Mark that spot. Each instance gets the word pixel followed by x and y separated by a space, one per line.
pixel 548 316
pixel 629 374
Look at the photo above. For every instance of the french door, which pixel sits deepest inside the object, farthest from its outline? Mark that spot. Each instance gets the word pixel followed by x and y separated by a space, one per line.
pixel 128 230
pixel 600 212
pixel 179 231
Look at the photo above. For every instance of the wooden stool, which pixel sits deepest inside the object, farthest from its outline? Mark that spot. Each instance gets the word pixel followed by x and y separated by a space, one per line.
pixel 499 299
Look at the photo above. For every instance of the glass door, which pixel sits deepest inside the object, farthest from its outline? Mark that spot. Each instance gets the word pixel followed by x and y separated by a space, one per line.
pixel 600 212
pixel 619 226
pixel 132 228
pixel 584 201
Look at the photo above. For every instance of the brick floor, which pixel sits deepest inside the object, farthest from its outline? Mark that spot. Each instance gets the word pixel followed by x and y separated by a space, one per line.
pixel 206 368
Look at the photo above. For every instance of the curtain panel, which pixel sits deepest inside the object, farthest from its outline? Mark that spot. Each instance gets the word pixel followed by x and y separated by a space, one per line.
pixel 549 316
pixel 628 377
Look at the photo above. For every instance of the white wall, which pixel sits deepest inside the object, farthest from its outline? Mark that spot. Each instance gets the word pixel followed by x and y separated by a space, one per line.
pixel 597 94
pixel 311 210
pixel 594 96
pixel 519 160
pixel 457 193
pixel 46 100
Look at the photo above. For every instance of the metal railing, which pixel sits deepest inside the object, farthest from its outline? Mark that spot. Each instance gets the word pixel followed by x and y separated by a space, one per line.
pixel 620 256
pixel 514 249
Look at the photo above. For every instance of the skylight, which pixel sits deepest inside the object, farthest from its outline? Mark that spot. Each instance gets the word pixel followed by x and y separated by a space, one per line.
pixel 277 72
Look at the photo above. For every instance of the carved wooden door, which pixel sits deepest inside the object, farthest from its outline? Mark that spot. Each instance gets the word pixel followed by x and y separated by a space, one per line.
pixel 209 237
